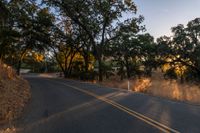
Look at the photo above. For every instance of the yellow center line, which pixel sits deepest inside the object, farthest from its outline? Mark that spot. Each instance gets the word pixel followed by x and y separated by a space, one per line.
pixel 133 113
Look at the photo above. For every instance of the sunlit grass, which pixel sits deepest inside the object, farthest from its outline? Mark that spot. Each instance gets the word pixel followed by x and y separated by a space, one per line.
pixel 175 90
pixel 158 86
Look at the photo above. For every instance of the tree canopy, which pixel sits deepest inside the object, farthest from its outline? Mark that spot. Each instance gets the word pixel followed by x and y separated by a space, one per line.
pixel 86 39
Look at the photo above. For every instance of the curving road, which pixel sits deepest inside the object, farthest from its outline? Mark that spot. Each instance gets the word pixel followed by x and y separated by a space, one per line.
pixel 66 106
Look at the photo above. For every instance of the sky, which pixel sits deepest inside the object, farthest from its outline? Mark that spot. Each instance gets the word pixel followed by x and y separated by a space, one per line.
pixel 161 15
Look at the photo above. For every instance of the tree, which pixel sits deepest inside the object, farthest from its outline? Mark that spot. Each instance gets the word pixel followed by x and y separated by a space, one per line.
pixel 5 15
pixel 96 18
pixel 193 50
pixel 32 24
pixel 181 51
pixel 148 53
pixel 126 48
pixel 7 34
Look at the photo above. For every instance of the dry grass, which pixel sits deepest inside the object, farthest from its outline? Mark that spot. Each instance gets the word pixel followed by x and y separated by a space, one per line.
pixel 14 94
pixel 158 86
pixel 8 130
pixel 174 90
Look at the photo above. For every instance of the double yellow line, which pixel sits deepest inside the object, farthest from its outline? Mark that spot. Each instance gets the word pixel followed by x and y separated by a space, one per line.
pixel 146 119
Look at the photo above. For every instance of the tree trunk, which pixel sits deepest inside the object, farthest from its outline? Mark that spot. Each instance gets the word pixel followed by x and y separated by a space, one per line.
pixel 86 60
pixel 121 73
pixel 20 61
pixel 65 74
pixel 182 79
pixel 70 70
pixel 121 77
pixel 1 57
pixel 100 52
pixel 19 66
pixel 100 70
pixel 127 69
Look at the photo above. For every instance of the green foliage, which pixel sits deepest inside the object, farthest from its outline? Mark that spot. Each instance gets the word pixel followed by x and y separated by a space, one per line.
pixel 96 19
pixel 133 50
pixel 182 49
pixel 78 33
pixel 25 29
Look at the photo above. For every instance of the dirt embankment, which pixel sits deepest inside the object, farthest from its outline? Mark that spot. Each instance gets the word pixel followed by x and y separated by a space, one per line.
pixel 158 86
pixel 14 94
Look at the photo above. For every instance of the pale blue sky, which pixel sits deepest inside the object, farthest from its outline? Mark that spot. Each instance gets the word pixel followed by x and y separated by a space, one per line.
pixel 161 15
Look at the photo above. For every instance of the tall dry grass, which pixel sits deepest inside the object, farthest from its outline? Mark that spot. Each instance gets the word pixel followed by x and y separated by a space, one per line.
pixel 158 86
pixel 175 90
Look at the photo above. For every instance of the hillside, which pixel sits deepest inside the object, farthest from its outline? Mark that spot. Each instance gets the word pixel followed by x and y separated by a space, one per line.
pixel 14 94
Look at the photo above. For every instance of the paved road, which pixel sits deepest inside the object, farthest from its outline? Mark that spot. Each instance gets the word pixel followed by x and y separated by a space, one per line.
pixel 66 106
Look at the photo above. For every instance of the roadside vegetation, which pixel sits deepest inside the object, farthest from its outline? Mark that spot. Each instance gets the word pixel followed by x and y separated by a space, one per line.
pixel 15 93
pixel 93 40
pixel 158 86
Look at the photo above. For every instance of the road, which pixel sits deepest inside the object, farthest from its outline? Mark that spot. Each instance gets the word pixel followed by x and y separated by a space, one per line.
pixel 67 106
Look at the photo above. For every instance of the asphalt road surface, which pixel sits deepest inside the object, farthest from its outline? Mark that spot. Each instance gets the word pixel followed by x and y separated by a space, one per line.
pixel 66 106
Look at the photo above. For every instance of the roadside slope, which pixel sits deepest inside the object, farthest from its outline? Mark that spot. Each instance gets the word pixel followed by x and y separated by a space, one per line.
pixel 14 94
